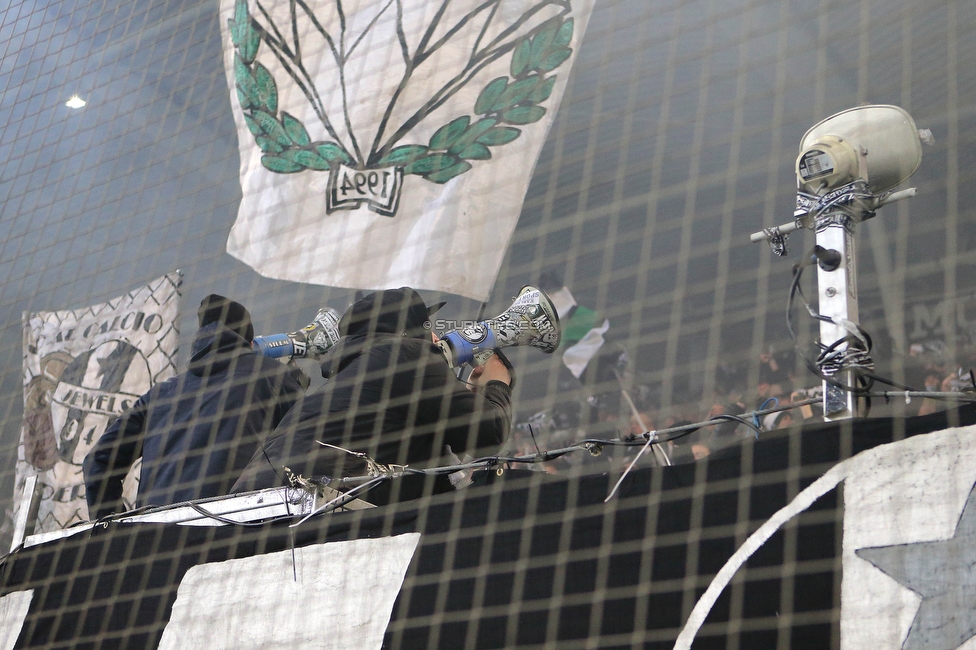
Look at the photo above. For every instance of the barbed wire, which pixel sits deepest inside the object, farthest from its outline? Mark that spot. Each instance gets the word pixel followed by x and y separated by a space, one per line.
pixel 592 445
pixel 357 486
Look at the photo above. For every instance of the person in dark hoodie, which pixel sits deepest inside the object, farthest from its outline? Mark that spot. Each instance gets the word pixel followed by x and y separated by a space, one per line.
pixel 391 397
pixel 196 431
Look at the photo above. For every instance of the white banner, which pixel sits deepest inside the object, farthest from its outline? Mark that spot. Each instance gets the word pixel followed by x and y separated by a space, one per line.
pixel 338 595
pixel 909 549
pixel 82 368
pixel 910 545
pixel 13 612
pixel 391 143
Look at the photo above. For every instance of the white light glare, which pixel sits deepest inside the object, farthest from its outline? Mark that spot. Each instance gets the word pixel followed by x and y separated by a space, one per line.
pixel 75 102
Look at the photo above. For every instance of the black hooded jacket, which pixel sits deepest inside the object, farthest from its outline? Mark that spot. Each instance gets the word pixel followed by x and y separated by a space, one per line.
pixel 393 398
pixel 195 432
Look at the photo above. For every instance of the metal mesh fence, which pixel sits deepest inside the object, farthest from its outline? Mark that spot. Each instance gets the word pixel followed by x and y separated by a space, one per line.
pixel 675 139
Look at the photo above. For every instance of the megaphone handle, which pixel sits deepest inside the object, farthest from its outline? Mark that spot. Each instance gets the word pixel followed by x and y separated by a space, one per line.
pixel 276 346
pixel 449 357
pixel 464 350
pixel 281 346
pixel 482 357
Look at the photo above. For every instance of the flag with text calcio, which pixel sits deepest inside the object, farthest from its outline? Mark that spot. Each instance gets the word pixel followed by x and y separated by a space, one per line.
pixel 82 369
pixel 387 143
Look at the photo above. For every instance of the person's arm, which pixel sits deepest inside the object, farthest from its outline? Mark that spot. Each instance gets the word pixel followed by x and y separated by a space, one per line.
pixel 110 459
pixel 291 390
pixel 491 370
pixel 478 417
pixel 263 469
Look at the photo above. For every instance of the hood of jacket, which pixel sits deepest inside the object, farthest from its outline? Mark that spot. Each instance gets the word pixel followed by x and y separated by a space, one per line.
pixel 349 348
pixel 214 348
pixel 393 311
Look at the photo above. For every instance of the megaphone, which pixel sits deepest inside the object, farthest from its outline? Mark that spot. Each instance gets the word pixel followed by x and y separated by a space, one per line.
pixel 531 320
pixel 312 341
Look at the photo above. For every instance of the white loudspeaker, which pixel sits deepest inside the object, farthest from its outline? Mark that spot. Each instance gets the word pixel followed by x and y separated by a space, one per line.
pixel 530 320
pixel 312 341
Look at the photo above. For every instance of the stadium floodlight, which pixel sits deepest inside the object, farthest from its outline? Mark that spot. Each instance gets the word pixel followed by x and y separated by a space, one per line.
pixel 847 168
pixel 879 145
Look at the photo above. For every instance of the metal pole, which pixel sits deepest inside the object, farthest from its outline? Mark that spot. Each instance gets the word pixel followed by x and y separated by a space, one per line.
pixel 27 515
pixel 838 300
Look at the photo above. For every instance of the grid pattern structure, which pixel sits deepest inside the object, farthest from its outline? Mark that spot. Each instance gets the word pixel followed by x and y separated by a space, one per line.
pixel 525 561
pixel 675 140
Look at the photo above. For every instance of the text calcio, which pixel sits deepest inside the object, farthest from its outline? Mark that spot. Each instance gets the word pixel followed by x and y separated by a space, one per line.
pixel 133 321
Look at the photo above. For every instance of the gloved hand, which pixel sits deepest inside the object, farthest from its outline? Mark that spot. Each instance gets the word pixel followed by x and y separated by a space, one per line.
pixel 322 333
pixel 312 341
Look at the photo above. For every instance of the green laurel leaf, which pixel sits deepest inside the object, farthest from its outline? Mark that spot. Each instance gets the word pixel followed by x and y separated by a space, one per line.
pixel 542 91
pixel 555 60
pixel 307 159
pixel 432 163
pixel 521 57
pixel 244 100
pixel 240 16
pixel 238 23
pixel 332 153
pixel 280 165
pixel 246 86
pixel 236 34
pixel 564 35
pixel 523 114
pixel 268 145
pixel 242 73
pixel 444 175
pixel 499 135
pixel 515 93
pixel 475 151
pixel 542 42
pixel 271 127
pixel 295 130
pixel 403 155
pixel 250 43
pixel 514 100
pixel 448 134
pixel 265 94
pixel 472 133
pixel 490 94
pixel 252 125
pixel 258 95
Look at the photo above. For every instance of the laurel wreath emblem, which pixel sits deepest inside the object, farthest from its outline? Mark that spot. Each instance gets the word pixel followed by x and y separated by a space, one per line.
pixel 502 106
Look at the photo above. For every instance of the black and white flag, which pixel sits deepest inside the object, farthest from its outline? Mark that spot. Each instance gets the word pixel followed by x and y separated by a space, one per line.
pixel 387 143
pixel 909 545
pixel 82 368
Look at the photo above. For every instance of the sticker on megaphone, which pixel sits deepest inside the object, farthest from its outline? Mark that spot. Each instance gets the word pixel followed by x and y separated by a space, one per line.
pixel 530 320
pixel 312 341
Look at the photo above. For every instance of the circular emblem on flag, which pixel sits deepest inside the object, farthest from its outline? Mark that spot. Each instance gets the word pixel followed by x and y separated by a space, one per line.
pixel 92 391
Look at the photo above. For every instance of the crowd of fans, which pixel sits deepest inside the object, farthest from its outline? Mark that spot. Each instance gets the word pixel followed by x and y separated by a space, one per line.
pixel 392 400
pixel 626 409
